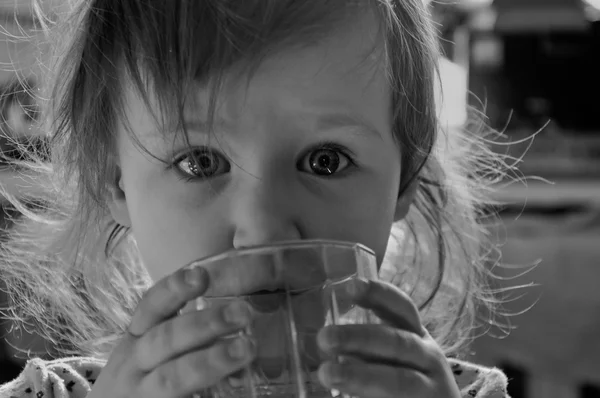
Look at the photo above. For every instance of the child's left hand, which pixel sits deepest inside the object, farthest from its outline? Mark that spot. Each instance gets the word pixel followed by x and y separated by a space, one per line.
pixel 398 358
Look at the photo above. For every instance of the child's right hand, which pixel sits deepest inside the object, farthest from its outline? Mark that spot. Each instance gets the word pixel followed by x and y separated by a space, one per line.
pixel 166 356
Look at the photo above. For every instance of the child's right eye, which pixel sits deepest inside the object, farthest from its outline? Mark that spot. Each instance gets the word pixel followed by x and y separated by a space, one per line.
pixel 202 163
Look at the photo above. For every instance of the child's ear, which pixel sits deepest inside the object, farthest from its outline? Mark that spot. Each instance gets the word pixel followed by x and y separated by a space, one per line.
pixel 405 199
pixel 117 202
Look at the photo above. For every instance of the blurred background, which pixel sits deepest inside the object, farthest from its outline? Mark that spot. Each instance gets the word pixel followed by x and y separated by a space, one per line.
pixel 532 66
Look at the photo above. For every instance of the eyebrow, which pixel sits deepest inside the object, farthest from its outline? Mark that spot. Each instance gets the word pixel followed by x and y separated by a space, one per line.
pixel 325 122
pixel 197 125
pixel 340 120
pixel 192 121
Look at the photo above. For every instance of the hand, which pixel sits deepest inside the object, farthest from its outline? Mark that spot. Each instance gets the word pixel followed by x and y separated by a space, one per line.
pixel 395 359
pixel 165 355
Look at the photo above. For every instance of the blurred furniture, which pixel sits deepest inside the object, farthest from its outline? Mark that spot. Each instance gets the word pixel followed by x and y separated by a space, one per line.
pixel 535 60
pixel 554 349
pixel 530 63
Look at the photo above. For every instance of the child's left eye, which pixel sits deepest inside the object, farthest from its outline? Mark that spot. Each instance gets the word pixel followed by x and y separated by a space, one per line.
pixel 325 161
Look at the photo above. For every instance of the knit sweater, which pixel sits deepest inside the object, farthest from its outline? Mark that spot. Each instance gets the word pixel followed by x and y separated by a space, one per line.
pixel 74 378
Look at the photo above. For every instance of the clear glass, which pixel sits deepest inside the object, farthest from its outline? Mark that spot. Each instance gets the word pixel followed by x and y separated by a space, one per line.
pixel 301 287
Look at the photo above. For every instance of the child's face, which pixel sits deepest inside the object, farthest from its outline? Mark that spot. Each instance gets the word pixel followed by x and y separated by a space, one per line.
pixel 304 150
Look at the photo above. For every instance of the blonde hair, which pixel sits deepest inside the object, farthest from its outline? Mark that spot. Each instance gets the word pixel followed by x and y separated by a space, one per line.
pixel 77 276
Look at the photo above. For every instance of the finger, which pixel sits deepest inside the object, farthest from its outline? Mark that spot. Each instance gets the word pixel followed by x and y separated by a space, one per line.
pixel 166 297
pixel 198 370
pixel 378 343
pixel 190 331
pixel 389 303
pixel 357 378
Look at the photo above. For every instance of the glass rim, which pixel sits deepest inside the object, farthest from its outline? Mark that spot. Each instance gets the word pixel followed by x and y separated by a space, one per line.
pixel 289 244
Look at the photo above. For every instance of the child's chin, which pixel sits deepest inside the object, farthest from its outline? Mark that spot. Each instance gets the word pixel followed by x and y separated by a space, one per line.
pixel 274 368
pixel 275 354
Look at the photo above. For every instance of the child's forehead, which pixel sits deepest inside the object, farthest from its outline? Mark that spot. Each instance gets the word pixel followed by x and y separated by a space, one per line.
pixel 305 72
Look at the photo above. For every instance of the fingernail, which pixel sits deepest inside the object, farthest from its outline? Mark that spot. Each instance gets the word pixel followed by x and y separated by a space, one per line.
pixel 237 313
pixel 238 348
pixel 195 277
pixel 357 287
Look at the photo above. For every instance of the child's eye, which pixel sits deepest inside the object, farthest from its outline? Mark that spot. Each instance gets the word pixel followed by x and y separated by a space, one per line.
pixel 326 160
pixel 202 163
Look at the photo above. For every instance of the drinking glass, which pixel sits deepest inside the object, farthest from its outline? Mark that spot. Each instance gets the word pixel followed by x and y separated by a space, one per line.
pixel 294 288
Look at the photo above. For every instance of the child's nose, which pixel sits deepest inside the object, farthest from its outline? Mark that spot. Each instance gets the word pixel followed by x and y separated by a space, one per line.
pixel 263 214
